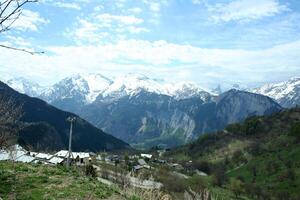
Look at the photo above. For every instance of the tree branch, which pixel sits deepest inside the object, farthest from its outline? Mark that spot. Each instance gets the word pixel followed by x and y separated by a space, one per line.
pixel 23 50
pixel 10 11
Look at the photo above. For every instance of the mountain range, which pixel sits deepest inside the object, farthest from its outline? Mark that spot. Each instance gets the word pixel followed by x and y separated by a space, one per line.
pixel 146 112
pixel 45 128
pixel 286 93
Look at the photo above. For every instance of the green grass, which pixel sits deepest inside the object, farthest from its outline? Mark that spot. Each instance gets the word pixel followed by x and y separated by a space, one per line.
pixel 262 154
pixel 47 182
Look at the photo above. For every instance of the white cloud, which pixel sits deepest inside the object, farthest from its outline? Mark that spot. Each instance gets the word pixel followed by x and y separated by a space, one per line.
pixel 135 10
pixel 155 7
pixel 99 26
pixel 159 58
pixel 29 20
pixel 245 10
pixel 122 19
pixel 67 5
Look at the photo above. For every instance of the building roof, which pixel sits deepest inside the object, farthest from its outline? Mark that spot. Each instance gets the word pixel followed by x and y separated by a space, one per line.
pixel 65 153
pixel 142 162
pixel 80 155
pixel 4 155
pixel 25 159
pixel 137 167
pixel 56 160
pixel 33 153
pixel 44 156
pixel 143 155
pixel 62 153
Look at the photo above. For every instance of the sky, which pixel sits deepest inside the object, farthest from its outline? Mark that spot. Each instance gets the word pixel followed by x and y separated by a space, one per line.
pixel 210 42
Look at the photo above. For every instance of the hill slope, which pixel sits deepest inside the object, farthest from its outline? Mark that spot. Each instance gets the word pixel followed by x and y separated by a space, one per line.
pixel 45 127
pixel 259 158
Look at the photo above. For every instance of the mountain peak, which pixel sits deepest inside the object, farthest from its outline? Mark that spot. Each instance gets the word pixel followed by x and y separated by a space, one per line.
pixel 25 86
pixel 286 93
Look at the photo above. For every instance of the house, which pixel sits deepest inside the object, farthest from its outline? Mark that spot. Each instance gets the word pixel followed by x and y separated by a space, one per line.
pixel 4 155
pixel 43 156
pixel 81 157
pixel 62 154
pixel 143 163
pixel 137 167
pixel 77 157
pixel 148 156
pixel 16 153
pixel 56 160
pixel 25 159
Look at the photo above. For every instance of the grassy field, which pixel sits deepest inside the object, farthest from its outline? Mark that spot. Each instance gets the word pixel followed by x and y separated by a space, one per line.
pixel 33 181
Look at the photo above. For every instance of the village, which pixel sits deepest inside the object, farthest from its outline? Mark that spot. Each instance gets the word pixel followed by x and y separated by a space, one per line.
pixel 137 169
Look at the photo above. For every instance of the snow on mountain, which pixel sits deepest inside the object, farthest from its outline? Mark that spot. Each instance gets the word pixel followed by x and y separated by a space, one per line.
pixel 184 90
pixel 286 93
pixel 84 86
pixel 25 86
pixel 133 83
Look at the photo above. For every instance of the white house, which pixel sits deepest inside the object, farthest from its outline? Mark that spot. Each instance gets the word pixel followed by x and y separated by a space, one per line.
pixel 143 155
pixel 78 157
pixel 56 160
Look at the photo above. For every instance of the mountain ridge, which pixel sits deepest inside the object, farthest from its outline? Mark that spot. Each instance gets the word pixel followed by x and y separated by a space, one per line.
pixel 46 128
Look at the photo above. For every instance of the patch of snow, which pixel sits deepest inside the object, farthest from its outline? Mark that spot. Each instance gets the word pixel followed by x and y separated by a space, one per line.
pixel 278 91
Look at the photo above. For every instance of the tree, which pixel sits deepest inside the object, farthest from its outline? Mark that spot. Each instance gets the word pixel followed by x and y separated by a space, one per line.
pixel 295 130
pixel 10 12
pixel 10 113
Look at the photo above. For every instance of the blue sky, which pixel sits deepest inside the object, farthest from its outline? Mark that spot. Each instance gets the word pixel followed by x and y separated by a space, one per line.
pixel 211 42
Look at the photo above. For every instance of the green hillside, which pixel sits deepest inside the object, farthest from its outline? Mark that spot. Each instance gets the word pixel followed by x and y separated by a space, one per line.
pixel 33 181
pixel 256 159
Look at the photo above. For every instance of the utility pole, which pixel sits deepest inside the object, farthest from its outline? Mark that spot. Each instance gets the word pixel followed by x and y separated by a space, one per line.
pixel 71 120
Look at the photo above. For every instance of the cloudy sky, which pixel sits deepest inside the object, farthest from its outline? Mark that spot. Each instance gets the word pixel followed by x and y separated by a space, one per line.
pixel 211 42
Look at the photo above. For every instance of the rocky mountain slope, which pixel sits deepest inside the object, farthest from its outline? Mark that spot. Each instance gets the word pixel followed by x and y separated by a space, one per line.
pixel 286 93
pixel 147 112
pixel 44 127
pixel 148 119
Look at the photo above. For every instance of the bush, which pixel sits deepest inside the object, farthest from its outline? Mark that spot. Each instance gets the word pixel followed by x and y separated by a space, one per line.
pixel 203 166
pixel 236 186
pixel 219 177
pixel 90 171
pixel 238 157
pixel 295 130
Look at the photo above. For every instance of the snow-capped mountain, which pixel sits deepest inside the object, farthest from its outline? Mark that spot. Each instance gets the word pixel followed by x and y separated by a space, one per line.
pixel 286 93
pixel 131 84
pixel 25 86
pixel 146 111
pixel 83 87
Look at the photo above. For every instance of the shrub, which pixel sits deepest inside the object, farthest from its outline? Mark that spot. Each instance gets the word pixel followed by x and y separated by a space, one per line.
pixel 90 171
pixel 238 157
pixel 219 177
pixel 236 186
pixel 295 130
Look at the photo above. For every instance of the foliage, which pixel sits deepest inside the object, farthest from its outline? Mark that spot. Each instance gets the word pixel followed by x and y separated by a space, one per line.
pixel 295 130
